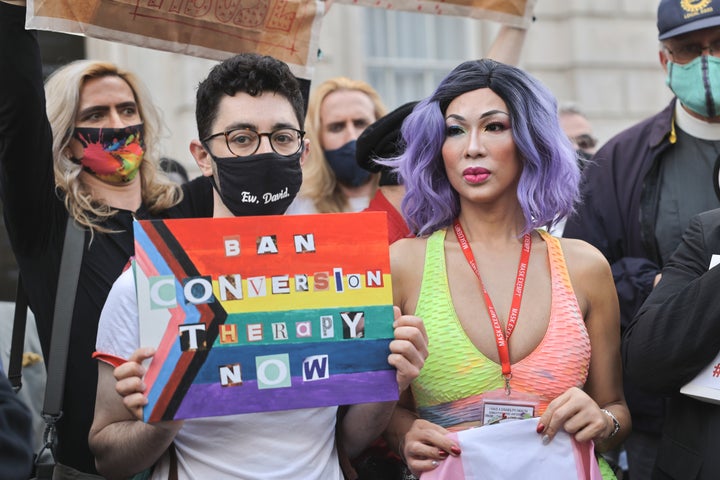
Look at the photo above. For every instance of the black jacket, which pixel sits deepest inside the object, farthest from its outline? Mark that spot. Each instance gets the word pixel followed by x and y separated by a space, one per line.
pixel 619 206
pixel 16 451
pixel 675 335
pixel 617 215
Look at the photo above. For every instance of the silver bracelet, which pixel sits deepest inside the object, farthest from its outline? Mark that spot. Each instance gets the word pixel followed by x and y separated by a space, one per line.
pixel 616 424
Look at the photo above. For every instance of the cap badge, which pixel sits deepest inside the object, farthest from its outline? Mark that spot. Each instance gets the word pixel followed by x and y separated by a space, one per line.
pixel 695 7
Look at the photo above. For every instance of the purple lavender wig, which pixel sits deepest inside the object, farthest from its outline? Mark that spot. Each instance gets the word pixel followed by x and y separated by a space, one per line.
pixel 549 182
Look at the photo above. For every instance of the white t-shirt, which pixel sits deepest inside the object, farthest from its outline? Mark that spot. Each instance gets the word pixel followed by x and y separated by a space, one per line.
pixel 292 444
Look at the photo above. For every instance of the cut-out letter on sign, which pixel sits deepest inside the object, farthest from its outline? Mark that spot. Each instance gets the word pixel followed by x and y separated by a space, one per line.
pixel 304 243
pixel 192 336
pixel 162 292
pixel 279 331
pixel 303 330
pixel 230 375
pixel 228 333
pixel 327 328
pixel 353 324
pixel 273 371
pixel 267 244
pixel 232 246
pixel 198 290
pixel 316 368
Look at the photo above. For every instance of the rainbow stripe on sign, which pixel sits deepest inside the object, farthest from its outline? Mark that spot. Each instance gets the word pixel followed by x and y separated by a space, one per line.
pixel 253 314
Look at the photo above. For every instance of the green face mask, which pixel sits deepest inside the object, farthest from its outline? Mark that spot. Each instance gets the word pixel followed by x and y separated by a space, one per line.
pixel 697 84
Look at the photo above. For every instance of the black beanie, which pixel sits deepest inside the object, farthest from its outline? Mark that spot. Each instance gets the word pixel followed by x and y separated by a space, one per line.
pixel 382 139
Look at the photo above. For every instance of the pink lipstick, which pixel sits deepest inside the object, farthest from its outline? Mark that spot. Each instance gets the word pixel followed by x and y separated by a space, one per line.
pixel 476 174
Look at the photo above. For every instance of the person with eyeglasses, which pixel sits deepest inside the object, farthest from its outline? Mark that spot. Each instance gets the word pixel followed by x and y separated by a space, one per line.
pixel 248 112
pixel 578 129
pixel 640 192
pixel 252 183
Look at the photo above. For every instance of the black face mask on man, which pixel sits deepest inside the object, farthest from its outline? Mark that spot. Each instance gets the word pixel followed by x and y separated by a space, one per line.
pixel 262 184
pixel 343 163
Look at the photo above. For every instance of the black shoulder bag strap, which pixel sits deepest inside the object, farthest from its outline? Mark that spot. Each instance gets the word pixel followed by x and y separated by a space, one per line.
pixel 59 341
pixel 18 337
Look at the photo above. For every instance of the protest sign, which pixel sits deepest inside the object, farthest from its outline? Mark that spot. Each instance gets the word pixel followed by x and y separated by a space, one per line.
pixel 252 314
pixel 216 29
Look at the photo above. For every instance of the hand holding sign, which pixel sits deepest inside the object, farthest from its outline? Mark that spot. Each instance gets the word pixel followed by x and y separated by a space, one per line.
pixel 130 385
pixel 408 349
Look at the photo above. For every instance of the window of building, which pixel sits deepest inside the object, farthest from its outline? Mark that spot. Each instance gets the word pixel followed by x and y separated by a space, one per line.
pixel 408 54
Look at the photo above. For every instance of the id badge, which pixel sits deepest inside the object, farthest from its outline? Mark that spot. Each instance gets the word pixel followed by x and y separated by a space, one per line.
pixel 497 406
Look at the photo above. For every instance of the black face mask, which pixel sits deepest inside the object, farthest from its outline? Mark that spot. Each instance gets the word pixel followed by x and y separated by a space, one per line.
pixel 343 163
pixel 263 184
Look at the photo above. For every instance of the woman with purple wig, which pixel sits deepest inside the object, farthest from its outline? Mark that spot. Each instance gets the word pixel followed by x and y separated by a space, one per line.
pixel 520 323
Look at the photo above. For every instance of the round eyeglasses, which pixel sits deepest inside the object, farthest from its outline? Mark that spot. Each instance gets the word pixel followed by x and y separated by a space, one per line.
pixel 243 142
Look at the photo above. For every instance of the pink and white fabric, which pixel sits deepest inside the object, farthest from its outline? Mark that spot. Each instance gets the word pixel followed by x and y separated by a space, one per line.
pixel 513 449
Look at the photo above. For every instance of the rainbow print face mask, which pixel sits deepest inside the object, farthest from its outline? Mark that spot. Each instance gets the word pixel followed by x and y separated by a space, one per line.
pixel 113 155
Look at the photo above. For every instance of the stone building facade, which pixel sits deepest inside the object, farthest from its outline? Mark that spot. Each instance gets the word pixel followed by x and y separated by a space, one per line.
pixel 600 55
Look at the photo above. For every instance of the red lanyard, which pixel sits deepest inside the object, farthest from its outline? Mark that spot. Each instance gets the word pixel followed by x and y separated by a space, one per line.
pixel 501 338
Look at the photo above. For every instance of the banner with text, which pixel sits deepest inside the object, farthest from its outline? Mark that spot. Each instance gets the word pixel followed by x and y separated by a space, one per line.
pixel 285 29
pixel 517 13
pixel 254 314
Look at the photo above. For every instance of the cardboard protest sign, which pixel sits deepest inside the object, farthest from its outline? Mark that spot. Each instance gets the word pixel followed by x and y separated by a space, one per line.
pixel 253 314
pixel 512 12
pixel 215 29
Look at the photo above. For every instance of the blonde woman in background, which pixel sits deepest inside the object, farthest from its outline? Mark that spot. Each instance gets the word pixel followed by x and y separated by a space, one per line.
pixel 339 110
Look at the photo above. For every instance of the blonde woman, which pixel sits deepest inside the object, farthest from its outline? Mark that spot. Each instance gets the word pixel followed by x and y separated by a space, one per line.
pixel 339 110
pixel 91 155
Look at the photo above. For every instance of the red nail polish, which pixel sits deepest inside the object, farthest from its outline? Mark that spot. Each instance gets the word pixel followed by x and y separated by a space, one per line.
pixel 442 453
pixel 455 450
pixel 540 428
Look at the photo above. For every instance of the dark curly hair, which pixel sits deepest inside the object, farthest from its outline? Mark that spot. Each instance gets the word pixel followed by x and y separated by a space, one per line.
pixel 250 73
